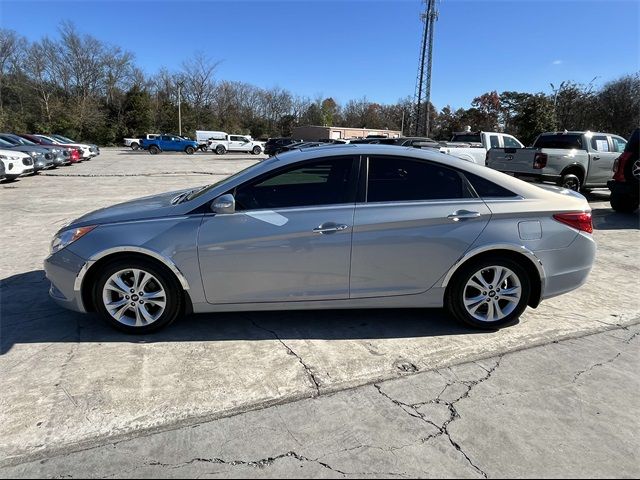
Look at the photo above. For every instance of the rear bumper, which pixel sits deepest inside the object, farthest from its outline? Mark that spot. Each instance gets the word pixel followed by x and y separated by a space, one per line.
pixel 623 188
pixel 567 268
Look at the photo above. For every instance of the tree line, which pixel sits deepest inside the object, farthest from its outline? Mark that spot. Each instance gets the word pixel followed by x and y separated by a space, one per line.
pixel 84 88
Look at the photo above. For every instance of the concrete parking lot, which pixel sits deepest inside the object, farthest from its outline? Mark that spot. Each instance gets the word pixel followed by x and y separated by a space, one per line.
pixel 69 382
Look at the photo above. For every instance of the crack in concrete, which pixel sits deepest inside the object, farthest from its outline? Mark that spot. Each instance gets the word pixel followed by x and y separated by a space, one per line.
pixel 262 463
pixel 631 338
pixel 443 430
pixel 602 364
pixel 310 375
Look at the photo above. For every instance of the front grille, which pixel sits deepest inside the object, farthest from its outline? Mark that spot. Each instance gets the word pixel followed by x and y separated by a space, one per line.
pixel 27 161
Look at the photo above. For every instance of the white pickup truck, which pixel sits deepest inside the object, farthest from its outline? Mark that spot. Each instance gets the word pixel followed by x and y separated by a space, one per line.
pixel 235 143
pixel 473 146
pixel 134 143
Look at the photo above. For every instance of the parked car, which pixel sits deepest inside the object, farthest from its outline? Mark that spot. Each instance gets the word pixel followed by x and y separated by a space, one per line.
pixel 236 143
pixel 42 158
pixel 354 226
pixel 70 153
pixel 93 148
pixel 473 146
pixel 74 154
pixel 2 171
pixel 273 145
pixel 298 145
pixel 575 160
pixel 625 192
pixel 16 164
pixel 57 154
pixel 135 143
pixel 85 150
pixel 169 143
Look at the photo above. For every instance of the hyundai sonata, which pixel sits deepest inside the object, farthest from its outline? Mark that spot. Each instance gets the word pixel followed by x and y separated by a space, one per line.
pixel 348 226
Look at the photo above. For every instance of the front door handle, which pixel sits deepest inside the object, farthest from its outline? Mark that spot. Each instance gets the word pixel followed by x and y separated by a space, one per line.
pixel 463 215
pixel 596 158
pixel 330 227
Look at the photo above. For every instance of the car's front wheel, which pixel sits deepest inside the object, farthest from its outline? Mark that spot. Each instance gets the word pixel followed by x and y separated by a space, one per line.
pixel 189 150
pixel 489 293
pixel 137 296
pixel 256 150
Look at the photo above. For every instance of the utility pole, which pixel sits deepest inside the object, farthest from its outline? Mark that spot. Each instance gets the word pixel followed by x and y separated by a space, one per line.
pixel 423 80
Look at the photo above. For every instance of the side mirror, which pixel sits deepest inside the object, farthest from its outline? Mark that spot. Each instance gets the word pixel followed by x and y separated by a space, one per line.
pixel 224 204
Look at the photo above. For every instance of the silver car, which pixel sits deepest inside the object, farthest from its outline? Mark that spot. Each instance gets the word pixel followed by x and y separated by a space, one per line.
pixel 345 226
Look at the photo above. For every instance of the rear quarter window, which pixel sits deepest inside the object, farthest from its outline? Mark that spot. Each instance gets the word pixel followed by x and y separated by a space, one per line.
pixel 487 189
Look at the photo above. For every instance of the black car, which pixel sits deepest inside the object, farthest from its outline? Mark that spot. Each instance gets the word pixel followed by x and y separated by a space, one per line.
pixel 625 191
pixel 274 145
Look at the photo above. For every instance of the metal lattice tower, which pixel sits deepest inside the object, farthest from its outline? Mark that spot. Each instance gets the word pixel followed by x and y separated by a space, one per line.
pixel 422 98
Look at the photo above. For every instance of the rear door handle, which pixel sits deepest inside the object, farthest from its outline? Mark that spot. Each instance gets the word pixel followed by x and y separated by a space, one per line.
pixel 330 227
pixel 463 215
pixel 596 158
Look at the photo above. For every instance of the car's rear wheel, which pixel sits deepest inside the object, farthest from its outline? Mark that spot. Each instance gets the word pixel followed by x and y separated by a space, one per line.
pixel 220 150
pixel 189 150
pixel 570 181
pixel 153 150
pixel 256 150
pixel 489 293
pixel 137 296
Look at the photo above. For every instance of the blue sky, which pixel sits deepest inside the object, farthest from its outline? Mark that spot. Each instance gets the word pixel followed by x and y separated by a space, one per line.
pixel 351 49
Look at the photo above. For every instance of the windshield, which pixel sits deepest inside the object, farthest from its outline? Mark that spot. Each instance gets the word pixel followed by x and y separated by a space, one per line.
pixel 201 191
pixel 19 140
pixel 48 139
pixel 5 144
pixel 64 139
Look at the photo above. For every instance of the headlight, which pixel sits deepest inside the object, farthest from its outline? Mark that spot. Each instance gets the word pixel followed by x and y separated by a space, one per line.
pixel 67 237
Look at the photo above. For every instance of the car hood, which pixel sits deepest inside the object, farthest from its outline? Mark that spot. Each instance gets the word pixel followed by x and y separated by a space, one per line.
pixel 155 206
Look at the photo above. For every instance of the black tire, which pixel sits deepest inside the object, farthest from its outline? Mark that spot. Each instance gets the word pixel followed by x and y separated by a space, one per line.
pixel 189 150
pixel 256 150
pixel 454 297
pixel 629 168
pixel 153 150
pixel 135 146
pixel 204 148
pixel 171 286
pixel 624 203
pixel 571 181
pixel 220 150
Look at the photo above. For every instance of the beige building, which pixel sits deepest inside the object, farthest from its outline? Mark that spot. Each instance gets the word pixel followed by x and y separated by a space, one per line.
pixel 314 133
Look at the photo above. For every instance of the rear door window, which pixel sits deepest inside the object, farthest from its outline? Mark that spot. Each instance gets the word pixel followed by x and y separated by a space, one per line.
pixel 600 143
pixel 494 141
pixel 397 179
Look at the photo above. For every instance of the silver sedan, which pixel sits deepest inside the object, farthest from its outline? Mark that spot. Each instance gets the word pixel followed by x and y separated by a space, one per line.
pixel 349 226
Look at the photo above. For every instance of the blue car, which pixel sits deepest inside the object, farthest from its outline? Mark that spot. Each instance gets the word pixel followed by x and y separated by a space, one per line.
pixel 169 143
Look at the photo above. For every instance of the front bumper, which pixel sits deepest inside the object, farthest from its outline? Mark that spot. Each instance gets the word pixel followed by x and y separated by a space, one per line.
pixel 62 269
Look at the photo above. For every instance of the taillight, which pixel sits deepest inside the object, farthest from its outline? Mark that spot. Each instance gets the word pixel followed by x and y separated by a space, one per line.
pixel 580 221
pixel 619 165
pixel 539 160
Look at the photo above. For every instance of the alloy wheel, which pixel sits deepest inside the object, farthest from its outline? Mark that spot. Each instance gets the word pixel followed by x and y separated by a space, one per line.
pixel 492 293
pixel 635 169
pixel 134 297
